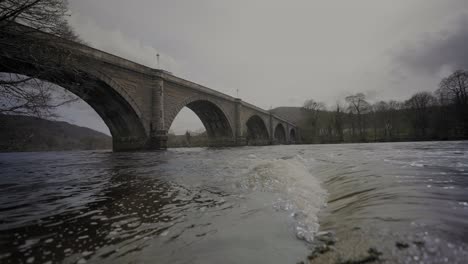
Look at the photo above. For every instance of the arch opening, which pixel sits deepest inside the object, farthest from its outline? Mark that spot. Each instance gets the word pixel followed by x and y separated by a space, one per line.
pixel 257 133
pixel 125 126
pixel 212 117
pixel 218 131
pixel 292 136
pixel 187 130
pixel 280 134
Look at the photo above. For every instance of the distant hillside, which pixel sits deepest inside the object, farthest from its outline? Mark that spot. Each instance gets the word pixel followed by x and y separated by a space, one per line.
pixel 23 133
pixel 293 114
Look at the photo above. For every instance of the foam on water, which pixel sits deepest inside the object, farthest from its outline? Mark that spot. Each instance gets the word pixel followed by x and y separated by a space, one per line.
pixel 298 192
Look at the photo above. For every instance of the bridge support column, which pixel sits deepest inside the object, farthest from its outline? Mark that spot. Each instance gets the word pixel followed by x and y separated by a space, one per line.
pixel 239 139
pixel 272 132
pixel 158 133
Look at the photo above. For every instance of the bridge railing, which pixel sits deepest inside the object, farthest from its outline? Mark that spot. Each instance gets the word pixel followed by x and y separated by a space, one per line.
pixel 83 49
pixel 204 89
pixel 198 87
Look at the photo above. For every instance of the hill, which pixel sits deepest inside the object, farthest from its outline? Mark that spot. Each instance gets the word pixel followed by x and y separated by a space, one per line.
pixel 24 133
pixel 293 114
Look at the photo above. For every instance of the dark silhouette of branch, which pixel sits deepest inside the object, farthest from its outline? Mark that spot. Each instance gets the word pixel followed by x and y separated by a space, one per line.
pixel 26 94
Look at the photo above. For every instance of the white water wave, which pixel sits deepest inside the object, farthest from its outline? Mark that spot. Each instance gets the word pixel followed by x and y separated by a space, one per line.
pixel 299 192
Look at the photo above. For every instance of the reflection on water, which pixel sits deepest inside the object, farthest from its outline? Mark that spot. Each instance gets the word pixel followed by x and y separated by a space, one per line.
pixel 85 207
pixel 403 202
pixel 108 211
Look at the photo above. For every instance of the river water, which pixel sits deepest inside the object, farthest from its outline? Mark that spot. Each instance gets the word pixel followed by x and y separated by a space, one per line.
pixel 349 203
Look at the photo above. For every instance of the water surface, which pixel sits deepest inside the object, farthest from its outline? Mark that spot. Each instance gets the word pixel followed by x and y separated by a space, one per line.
pixel 406 201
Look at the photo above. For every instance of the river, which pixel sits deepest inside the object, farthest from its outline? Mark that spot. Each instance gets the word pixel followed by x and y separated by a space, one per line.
pixel 347 203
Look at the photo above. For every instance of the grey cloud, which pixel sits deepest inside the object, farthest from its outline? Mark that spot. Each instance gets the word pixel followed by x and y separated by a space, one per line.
pixel 444 49
pixel 118 43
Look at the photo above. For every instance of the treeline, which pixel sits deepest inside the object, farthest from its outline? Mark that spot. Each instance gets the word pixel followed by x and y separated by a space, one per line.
pixel 189 139
pixel 439 115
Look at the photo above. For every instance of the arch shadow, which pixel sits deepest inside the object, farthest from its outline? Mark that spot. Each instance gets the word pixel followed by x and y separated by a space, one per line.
pixel 280 134
pixel 213 118
pixel 292 136
pixel 257 133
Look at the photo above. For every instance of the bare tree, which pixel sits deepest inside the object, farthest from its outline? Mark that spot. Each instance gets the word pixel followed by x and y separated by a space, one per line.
pixel 382 119
pixel 420 104
pixel 454 90
pixel 188 137
pixel 313 108
pixel 338 122
pixel 359 106
pixel 45 15
pixel 28 95
pixel 394 124
pixel 455 87
pixel 312 105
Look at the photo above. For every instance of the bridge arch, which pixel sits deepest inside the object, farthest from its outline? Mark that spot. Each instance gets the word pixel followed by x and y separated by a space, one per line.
pixel 117 109
pixel 292 135
pixel 280 134
pixel 257 132
pixel 212 115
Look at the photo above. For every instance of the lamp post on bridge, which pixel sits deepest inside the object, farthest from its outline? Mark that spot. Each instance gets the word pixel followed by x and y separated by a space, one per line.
pixel 157 61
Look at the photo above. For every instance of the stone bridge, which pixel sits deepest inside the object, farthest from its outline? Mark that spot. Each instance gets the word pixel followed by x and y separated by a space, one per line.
pixel 139 103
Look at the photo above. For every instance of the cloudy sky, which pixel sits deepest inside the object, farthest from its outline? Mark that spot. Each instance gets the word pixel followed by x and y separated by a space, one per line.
pixel 280 53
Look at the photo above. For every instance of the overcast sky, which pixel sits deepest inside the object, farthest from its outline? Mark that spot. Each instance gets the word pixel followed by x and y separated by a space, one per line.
pixel 280 53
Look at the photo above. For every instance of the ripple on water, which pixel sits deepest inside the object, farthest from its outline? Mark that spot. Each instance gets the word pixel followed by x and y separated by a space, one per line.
pixel 402 202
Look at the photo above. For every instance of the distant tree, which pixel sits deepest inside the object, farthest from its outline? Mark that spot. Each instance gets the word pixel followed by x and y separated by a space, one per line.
pixel 359 106
pixel 329 132
pixel 394 125
pixel 338 122
pixel 446 118
pixel 382 119
pixel 442 115
pixel 454 90
pixel 313 108
pixel 455 87
pixel 419 105
pixel 187 137
pixel 26 94
pixel 312 105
